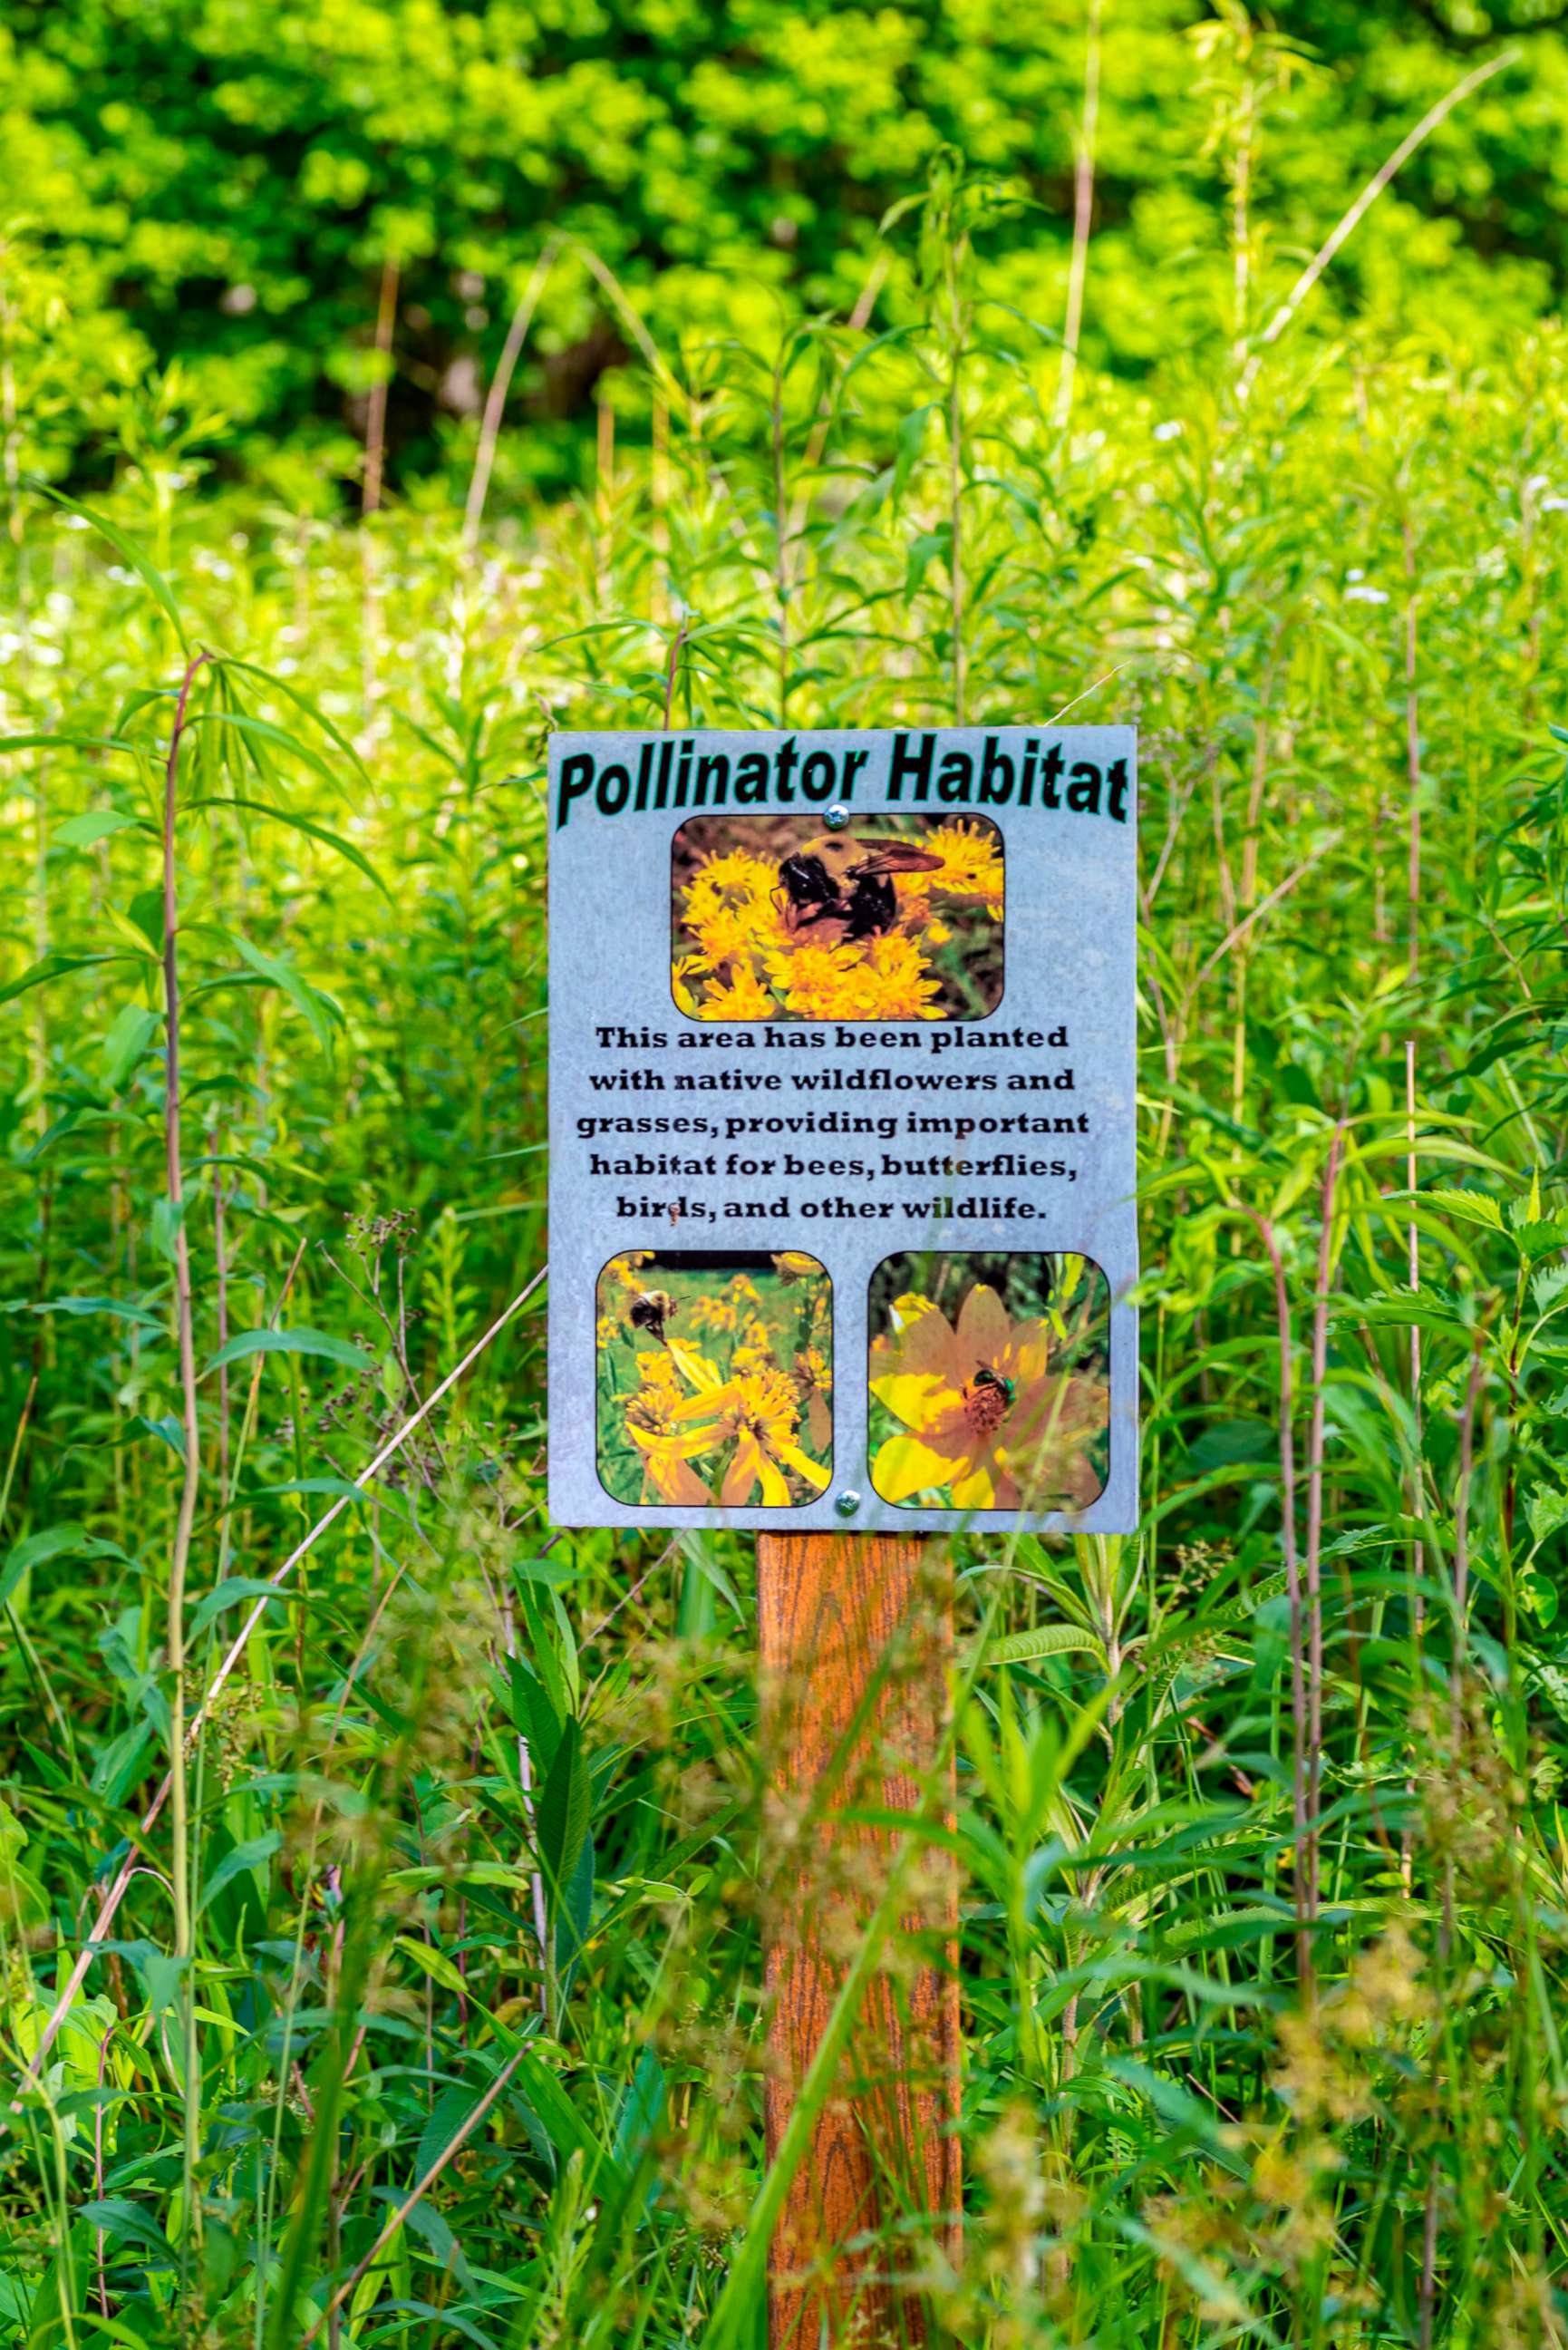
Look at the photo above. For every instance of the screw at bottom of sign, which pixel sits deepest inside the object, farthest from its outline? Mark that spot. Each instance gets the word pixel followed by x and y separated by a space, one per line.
pixel 836 818
pixel 848 1503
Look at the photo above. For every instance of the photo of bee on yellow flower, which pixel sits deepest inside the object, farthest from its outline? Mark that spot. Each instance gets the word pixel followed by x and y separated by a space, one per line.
pixel 990 1381
pixel 715 1378
pixel 892 918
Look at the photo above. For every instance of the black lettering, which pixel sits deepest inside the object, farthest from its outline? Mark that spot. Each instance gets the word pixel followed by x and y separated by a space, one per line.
pixel 915 765
pixel 577 777
pixel 995 776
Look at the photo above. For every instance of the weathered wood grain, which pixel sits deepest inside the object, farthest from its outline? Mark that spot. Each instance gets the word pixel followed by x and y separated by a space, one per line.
pixel 856 1635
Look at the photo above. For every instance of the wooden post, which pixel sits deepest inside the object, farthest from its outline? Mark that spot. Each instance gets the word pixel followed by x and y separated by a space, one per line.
pixel 856 1636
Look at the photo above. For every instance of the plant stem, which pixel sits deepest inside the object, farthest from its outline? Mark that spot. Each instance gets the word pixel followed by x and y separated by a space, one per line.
pixel 1294 1586
pixel 1083 216
pixel 500 385
pixel 184 1936
pixel 1314 1524
pixel 376 411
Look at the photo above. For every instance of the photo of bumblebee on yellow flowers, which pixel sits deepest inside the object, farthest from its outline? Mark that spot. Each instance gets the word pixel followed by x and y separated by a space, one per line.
pixel 891 917
pixel 990 1381
pixel 715 1379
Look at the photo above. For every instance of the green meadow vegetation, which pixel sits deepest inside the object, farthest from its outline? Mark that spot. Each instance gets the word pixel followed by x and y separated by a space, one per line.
pixel 381 1866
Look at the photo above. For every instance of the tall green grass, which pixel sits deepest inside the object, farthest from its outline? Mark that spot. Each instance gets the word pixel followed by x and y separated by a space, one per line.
pixel 430 2006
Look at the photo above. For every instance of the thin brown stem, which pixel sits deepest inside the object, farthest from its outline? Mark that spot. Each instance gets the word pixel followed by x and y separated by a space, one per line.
pixel 376 410
pixel 500 385
pixel 1351 219
pixel 1084 151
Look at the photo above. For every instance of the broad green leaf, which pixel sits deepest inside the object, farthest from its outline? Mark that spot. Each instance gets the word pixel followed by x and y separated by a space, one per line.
pixel 333 840
pixel 434 1963
pixel 81 831
pixel 1471 1207
pixel 319 1014
pixel 298 1340
pixel 1049 1640
pixel 115 1307
pixel 244 1856
pixel 53 966
pixel 130 1033
pixel 231 1593
pixel 562 1811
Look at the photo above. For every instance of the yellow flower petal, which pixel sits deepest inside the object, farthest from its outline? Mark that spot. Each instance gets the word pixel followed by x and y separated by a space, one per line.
pixel 794 1458
pixel 702 1374
pixel 984 1329
pixel 904 1466
pixel 708 1401
pixel 678 1484
pixel 742 1473
pixel 974 1491
pixel 919 1398
pixel 775 1488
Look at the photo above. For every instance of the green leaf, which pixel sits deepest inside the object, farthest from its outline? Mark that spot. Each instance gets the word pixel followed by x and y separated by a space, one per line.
pixel 1470 1207
pixel 167 1429
pixel 126 548
pixel 81 831
pixel 1232 1440
pixel 230 1593
pixel 56 1542
pixel 319 1014
pixel 1405 1313
pixel 434 1963
pixel 53 1541
pixel 304 702
pixel 166 1224
pixel 251 1855
pixel 535 1718
pixel 911 441
pixel 299 1340
pixel 1548 1514
pixel 563 1811
pixel 114 1308
pixel 333 840
pixel 125 2222
pixel 130 1034
pixel 1048 1640
pixel 53 966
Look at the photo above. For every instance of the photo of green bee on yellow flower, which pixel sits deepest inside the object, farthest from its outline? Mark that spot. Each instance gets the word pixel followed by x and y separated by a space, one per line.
pixel 889 917
pixel 715 1379
pixel 990 1381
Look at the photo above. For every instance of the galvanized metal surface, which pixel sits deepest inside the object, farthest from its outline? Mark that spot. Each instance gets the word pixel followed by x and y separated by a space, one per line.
pixel 1069 956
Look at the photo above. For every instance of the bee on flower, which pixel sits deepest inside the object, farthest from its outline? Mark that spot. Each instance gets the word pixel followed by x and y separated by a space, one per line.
pixel 889 917
pixel 980 1407
pixel 714 1380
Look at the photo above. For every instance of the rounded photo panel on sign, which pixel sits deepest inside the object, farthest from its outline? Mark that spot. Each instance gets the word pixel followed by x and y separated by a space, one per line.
pixel 713 1380
pixel 888 917
pixel 990 1381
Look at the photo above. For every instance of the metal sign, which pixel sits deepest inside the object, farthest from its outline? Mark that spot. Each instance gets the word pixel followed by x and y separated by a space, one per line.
pixel 842 1227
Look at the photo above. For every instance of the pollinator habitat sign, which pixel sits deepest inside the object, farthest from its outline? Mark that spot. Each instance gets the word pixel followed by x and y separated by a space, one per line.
pixel 841 1229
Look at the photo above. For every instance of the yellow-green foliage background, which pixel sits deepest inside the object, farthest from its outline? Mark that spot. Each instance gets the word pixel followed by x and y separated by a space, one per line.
pixel 459 1880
